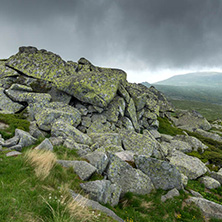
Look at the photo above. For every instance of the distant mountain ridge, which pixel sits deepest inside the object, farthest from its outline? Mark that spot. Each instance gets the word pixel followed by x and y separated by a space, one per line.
pixel 208 79
pixel 199 86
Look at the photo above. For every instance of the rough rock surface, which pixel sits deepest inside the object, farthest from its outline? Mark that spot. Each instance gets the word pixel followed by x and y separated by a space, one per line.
pixel 208 208
pixel 128 178
pixel 45 145
pixel 138 143
pixel 98 160
pixel 171 194
pixel 95 206
pixel 213 136
pixel 162 174
pixel 102 191
pixel 61 128
pixel 210 182
pixel 192 141
pixel 7 105
pixel 192 120
pixel 83 169
pixel 192 167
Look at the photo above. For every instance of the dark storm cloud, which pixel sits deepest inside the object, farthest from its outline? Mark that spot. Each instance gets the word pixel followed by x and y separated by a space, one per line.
pixel 130 34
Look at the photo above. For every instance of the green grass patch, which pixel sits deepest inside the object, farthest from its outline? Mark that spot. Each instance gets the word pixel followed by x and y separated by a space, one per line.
pixel 165 127
pixel 145 208
pixel 214 195
pixel 24 197
pixel 209 110
pixel 15 121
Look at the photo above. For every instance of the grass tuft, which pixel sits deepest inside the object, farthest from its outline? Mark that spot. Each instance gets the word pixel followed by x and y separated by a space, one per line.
pixel 42 161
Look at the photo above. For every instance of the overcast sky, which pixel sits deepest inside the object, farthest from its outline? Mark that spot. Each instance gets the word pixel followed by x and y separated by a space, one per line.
pixel 150 39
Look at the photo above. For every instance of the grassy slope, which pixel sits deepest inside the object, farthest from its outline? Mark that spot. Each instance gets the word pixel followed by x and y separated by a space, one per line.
pixel 208 110
pixel 26 197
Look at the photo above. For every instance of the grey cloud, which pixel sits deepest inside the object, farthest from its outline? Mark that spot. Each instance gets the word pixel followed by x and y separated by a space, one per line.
pixel 129 34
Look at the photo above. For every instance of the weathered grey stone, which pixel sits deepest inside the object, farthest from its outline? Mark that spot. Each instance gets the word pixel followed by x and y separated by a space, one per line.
pixel 46 117
pixel 126 155
pixel 13 153
pixel 11 142
pixel 102 191
pixel 83 169
pixel 61 128
pixel 56 141
pixel 140 114
pixel 81 149
pixel 192 141
pixel 97 88
pixel 192 167
pixel 138 143
pixel 195 194
pixel 122 91
pixel 82 109
pixel 162 174
pixel 21 87
pixel 16 147
pixel 154 133
pixel 98 160
pixel 128 178
pixel 208 208
pixel 104 139
pixel 86 121
pixel 94 205
pixel 131 113
pixel 45 145
pixel 35 132
pixel 98 127
pixel 171 194
pixel 98 118
pixel 115 109
pixel 210 182
pixel 7 105
pixel 29 97
pixel 59 96
pixel 217 176
pixel 184 179
pixel 213 136
pixel 39 64
pixel 180 145
pixel 220 171
pixel 127 124
pixel 192 120
pixel 25 139
pixel 166 138
pixel 108 147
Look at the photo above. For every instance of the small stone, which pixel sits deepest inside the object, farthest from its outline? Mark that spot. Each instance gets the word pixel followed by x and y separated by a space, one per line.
pixel 45 145
pixel 172 193
pixel 210 182
pixel 13 153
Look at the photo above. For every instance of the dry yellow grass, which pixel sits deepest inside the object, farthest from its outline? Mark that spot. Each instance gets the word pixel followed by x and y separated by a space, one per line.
pixel 42 161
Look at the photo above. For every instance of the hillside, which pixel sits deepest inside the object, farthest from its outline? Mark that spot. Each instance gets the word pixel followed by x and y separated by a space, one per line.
pixel 79 142
pixel 202 87
pixel 201 79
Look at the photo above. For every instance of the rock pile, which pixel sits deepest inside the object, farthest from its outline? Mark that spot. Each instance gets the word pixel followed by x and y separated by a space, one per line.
pixel 110 122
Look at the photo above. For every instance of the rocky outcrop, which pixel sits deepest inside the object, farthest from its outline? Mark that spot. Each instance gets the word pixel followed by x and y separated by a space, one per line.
pixel 127 177
pixel 102 191
pixel 208 208
pixel 190 121
pixel 111 123
pixel 162 174
pixel 192 167
pixel 210 182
